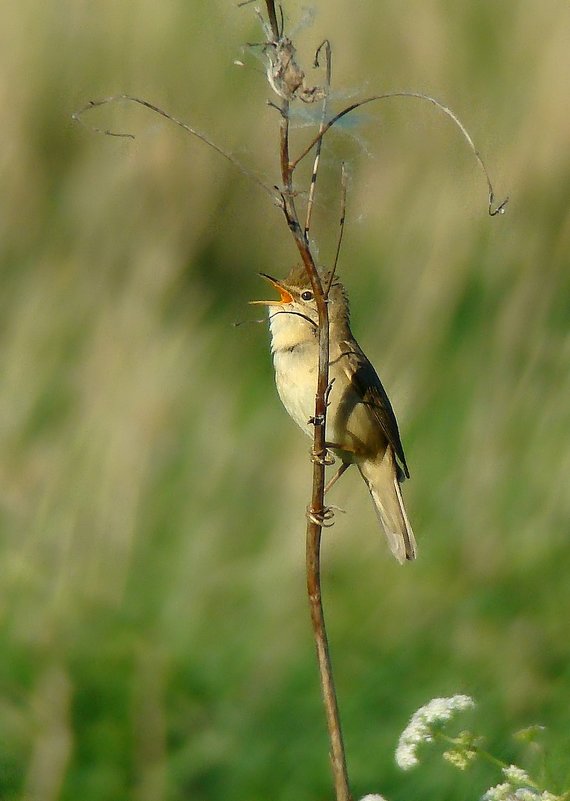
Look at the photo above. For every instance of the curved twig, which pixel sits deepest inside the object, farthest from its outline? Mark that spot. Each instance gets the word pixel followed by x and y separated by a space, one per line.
pixel 499 209
pixel 78 117
pixel 343 188
pixel 328 77
pixel 273 20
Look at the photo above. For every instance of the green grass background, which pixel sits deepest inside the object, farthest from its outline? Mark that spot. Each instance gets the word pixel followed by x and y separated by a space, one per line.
pixel 154 636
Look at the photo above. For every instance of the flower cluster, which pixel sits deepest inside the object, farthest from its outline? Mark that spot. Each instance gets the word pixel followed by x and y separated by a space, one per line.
pixel 421 727
pixel 518 787
pixel 506 792
pixel 427 723
pixel 373 797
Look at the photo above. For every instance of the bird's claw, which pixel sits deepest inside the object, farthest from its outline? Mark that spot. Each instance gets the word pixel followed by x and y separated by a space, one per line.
pixel 324 518
pixel 324 457
pixel 328 391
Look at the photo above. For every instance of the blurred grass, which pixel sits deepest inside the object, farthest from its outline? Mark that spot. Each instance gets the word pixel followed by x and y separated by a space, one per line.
pixel 154 635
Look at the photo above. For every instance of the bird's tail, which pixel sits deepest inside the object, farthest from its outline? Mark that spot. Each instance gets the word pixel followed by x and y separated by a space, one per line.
pixel 382 481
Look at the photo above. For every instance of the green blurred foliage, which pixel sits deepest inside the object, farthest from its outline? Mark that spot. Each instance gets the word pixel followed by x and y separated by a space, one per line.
pixel 154 634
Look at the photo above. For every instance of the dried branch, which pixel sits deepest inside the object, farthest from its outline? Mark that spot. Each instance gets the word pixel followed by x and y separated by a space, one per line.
pixel 273 19
pixel 92 104
pixel 343 185
pixel 499 209
pixel 328 55
pixel 317 515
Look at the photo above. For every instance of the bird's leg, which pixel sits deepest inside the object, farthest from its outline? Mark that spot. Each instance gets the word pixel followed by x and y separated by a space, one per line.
pixel 344 466
pixel 326 518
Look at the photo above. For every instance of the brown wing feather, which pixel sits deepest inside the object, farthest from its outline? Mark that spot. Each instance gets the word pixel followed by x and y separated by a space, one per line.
pixel 369 387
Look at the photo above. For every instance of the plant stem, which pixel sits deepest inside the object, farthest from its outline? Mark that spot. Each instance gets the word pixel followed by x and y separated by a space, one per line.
pixel 317 507
pixel 316 511
pixel 337 753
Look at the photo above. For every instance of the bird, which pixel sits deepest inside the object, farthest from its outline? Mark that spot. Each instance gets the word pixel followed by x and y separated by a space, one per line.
pixel 361 427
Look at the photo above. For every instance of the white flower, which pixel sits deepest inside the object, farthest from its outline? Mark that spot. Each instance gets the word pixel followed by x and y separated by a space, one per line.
pixel 525 794
pixel 420 728
pixel 500 792
pixel 506 791
pixel 516 775
pixel 459 759
pixel 373 797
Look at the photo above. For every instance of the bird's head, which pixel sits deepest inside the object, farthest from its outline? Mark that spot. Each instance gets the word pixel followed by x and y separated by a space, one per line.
pixel 297 299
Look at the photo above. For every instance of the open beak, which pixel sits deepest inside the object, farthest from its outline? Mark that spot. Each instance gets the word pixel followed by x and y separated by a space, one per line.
pixel 284 295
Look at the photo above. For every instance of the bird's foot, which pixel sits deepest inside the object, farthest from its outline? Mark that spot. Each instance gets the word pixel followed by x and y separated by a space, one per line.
pixel 322 457
pixel 324 518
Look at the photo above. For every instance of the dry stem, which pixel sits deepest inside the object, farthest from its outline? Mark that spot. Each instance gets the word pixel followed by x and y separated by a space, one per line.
pixel 317 507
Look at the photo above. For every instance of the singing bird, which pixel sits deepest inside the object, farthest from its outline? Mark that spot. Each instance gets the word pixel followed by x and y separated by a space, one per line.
pixel 361 426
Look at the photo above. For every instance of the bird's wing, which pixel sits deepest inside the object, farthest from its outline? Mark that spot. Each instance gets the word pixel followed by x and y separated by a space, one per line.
pixel 368 386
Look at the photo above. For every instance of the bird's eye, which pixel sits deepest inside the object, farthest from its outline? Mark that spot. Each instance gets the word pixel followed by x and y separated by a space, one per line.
pixel 307 295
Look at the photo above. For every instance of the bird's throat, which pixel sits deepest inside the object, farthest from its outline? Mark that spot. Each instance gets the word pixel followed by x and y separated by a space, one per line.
pixel 290 330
